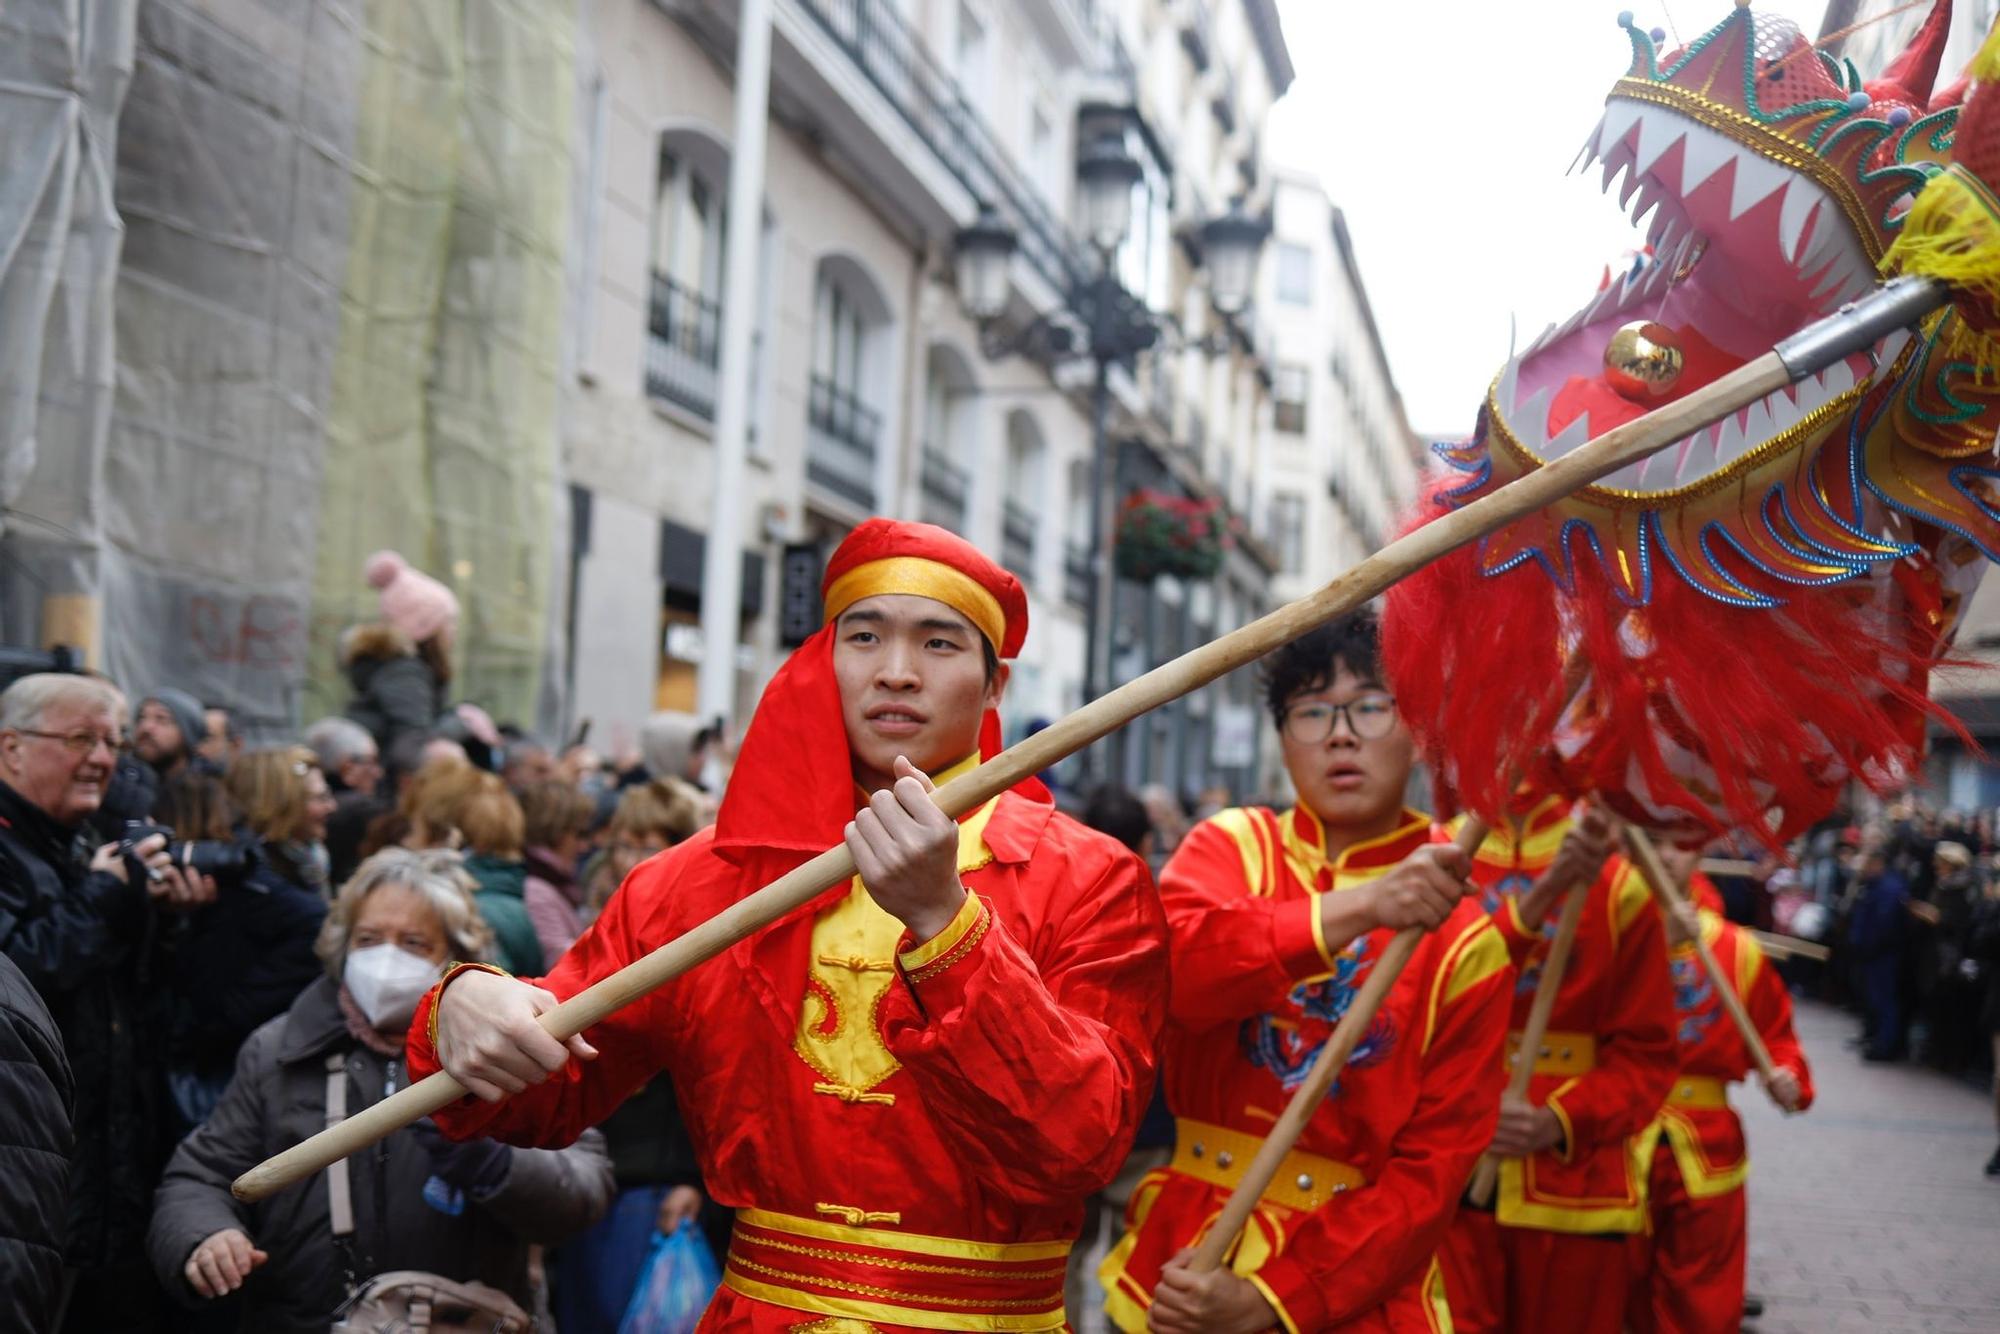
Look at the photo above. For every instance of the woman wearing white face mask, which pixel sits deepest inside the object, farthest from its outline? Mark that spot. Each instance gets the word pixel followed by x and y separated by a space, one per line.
pixel 465 1211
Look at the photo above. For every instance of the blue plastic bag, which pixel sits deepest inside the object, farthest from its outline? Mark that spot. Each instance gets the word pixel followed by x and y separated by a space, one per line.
pixel 675 1286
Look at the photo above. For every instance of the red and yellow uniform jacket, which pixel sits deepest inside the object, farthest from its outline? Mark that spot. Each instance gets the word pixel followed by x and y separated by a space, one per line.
pixel 908 1133
pixel 1345 1237
pixel 1609 1055
pixel 1698 1124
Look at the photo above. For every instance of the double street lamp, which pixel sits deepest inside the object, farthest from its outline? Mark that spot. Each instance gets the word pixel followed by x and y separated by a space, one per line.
pixel 1116 326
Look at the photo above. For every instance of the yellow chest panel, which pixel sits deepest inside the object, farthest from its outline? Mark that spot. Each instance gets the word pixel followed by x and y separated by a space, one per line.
pixel 851 968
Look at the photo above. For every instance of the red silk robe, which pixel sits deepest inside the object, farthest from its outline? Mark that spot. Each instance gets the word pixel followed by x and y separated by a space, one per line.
pixel 1346 1237
pixel 1691 1262
pixel 908 1132
pixel 1535 1262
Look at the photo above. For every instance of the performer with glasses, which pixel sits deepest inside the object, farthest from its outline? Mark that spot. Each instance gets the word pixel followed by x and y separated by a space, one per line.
pixel 1277 918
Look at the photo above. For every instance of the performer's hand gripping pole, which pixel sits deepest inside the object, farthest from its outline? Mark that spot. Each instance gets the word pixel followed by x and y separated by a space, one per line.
pixel 1898 303
pixel 1486 1176
pixel 1668 891
pixel 1326 1067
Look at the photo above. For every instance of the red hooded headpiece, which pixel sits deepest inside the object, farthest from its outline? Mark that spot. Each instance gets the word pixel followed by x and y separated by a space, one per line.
pixel 791 794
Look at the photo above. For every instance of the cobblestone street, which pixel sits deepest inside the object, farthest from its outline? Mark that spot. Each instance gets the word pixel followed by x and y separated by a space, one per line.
pixel 1870 1212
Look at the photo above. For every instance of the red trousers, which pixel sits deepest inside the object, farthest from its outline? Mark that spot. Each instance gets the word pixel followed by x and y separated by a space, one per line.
pixel 1522 1280
pixel 1688 1275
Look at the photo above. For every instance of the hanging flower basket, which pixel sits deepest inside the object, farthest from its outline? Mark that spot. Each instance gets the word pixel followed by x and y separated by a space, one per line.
pixel 1160 534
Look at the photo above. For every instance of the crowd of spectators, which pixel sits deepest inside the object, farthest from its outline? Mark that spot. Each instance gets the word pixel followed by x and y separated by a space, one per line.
pixel 1905 904
pixel 210 949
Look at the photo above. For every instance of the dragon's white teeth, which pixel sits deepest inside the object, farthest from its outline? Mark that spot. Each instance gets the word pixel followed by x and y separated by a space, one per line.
pixel 1571 437
pixel 1858 285
pixel 1620 114
pixel 1821 282
pixel 1589 149
pixel 1757 424
pixel 1683 452
pixel 1531 421
pixel 1802 200
pixel 1503 393
pixel 1836 379
pixel 1541 341
pixel 1756 178
pixel 1658 132
pixel 1728 437
pixel 1613 164
pixel 1625 190
pixel 1784 413
pixel 1706 153
pixel 1649 198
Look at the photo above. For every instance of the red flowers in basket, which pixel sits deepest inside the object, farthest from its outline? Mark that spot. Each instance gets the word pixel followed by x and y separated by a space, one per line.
pixel 1161 533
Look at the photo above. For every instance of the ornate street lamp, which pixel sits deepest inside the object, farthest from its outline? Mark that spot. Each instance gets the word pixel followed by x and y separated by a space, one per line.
pixel 985 250
pixel 1229 246
pixel 1105 175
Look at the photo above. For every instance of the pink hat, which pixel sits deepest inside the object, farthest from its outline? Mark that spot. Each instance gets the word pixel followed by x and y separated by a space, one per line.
pixel 412 601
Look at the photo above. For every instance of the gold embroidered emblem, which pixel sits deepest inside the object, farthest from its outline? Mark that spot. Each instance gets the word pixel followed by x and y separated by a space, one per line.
pixel 853 965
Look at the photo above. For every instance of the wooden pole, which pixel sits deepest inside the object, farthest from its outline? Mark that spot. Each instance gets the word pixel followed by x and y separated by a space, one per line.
pixel 1326 1068
pixel 1486 1176
pixel 1647 858
pixel 1787 947
pixel 1622 445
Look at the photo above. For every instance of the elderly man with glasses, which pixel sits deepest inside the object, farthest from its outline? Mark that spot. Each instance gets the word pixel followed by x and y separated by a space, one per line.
pixel 74 919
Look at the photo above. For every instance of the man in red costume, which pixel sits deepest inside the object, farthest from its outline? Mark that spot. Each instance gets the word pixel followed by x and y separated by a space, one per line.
pixel 1690 1265
pixel 1276 921
pixel 1550 1254
pixel 906 1088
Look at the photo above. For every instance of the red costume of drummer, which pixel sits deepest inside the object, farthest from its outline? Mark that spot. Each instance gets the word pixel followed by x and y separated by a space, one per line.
pixel 1551 1256
pixel 1689 1264
pixel 906 1088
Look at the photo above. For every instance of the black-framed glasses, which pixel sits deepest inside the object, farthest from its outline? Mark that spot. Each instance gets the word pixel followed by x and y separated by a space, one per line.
pixel 1368 717
pixel 78 743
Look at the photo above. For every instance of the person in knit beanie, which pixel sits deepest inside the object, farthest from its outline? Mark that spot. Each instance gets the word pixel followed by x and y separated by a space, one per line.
pixel 412 602
pixel 400 665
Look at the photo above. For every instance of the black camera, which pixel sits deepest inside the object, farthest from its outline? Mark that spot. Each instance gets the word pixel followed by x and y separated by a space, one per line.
pixel 226 861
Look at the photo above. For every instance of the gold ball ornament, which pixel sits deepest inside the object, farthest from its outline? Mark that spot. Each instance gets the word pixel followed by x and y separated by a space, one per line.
pixel 1643 361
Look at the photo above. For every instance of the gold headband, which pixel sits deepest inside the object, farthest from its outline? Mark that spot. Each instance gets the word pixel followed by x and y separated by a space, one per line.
pixel 924 578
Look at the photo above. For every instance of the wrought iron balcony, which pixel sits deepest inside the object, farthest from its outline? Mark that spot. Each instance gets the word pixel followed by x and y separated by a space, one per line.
pixel 1017 540
pixel 880 42
pixel 683 346
pixel 1078 574
pixel 943 486
pixel 844 434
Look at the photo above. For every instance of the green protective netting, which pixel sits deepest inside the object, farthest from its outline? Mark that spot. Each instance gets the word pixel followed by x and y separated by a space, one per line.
pixel 442 424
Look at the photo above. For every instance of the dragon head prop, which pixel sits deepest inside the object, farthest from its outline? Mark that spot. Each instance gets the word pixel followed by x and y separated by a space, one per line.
pixel 1722 634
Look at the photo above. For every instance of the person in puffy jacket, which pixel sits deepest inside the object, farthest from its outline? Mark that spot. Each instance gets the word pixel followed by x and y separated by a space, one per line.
pixel 400 666
pixel 467 1211
pixel 37 1099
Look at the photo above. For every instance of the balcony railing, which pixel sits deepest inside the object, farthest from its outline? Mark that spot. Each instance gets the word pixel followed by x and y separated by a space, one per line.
pixel 843 438
pixel 943 485
pixel 1017 540
pixel 880 42
pixel 1079 578
pixel 683 346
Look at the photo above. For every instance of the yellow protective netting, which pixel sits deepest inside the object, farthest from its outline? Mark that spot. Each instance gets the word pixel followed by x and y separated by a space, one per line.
pixel 441 428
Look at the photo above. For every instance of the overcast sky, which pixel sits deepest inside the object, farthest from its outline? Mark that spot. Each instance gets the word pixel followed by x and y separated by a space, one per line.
pixel 1443 131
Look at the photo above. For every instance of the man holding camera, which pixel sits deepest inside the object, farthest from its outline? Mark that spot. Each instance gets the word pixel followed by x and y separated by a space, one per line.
pixel 74 918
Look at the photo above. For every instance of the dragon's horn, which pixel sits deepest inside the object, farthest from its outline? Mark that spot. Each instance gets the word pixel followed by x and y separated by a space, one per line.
pixel 1911 76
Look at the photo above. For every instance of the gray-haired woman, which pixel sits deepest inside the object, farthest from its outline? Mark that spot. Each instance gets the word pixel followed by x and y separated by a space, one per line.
pixel 464 1211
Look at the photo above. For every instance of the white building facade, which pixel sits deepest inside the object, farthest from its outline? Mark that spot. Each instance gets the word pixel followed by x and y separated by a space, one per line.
pixel 890 124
